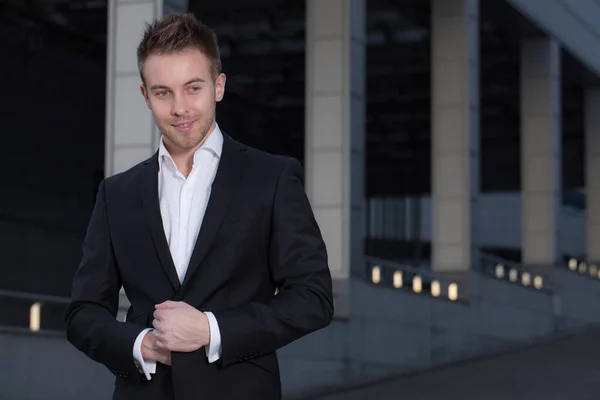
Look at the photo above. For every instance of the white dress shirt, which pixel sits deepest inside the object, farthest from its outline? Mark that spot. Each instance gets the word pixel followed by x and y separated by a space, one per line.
pixel 182 206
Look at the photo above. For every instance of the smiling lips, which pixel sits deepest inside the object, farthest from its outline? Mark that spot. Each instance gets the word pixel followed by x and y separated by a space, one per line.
pixel 184 126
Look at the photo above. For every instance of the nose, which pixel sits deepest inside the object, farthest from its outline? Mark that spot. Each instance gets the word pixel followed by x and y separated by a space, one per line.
pixel 179 106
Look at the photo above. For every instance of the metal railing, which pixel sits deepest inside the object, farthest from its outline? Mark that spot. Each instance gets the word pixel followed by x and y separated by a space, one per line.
pixel 37 312
pixel 34 297
pixel 40 312
pixel 32 311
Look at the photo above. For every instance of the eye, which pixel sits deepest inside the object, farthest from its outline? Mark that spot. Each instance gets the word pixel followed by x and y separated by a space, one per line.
pixel 162 93
pixel 195 88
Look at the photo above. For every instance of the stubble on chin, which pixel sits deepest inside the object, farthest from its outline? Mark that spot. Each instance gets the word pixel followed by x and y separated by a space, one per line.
pixel 186 141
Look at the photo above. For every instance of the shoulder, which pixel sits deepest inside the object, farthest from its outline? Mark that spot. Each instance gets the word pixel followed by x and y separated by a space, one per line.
pixel 269 164
pixel 124 181
pixel 277 162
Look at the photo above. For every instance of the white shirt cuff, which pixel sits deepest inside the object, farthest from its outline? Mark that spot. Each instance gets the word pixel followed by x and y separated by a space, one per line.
pixel 213 350
pixel 145 367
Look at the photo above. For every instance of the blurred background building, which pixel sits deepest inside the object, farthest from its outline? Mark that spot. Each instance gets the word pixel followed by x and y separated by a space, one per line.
pixel 451 150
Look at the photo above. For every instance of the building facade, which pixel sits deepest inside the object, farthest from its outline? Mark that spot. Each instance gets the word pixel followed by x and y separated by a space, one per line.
pixel 451 152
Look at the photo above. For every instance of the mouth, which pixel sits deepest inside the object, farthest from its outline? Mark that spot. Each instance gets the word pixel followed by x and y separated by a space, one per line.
pixel 184 126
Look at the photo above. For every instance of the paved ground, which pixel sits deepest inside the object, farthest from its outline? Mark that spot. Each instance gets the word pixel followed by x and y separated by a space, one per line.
pixel 564 370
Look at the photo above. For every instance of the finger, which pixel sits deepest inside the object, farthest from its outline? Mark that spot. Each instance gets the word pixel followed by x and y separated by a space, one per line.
pixel 164 357
pixel 156 324
pixel 159 340
pixel 158 314
pixel 151 342
pixel 163 344
pixel 157 335
pixel 167 305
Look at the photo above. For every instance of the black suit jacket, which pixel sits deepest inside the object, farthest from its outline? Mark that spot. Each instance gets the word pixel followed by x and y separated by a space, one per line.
pixel 258 234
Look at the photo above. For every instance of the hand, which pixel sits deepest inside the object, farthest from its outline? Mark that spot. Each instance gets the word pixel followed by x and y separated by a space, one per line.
pixel 151 351
pixel 180 327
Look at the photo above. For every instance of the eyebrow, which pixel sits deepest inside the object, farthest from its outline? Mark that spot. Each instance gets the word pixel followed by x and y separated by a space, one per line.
pixel 193 80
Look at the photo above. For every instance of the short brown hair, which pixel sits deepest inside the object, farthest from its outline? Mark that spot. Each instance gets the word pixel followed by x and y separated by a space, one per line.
pixel 175 33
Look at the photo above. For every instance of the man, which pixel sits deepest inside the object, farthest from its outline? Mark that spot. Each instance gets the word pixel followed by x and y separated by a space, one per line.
pixel 215 244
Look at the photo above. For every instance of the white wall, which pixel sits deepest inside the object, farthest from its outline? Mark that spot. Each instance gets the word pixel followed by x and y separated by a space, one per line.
pixel 499 221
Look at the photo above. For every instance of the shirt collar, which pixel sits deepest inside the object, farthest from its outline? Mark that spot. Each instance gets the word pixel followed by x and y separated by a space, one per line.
pixel 213 143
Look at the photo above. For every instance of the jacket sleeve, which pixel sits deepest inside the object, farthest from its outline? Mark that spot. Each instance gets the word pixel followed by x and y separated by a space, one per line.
pixel 298 263
pixel 91 324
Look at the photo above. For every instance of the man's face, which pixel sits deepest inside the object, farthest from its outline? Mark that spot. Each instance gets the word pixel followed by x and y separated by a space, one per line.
pixel 182 95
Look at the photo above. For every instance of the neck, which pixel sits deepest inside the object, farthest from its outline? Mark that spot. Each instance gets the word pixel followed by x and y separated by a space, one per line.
pixel 184 158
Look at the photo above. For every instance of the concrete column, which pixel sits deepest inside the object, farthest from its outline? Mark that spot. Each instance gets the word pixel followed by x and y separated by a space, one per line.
pixel 455 134
pixel 592 172
pixel 540 149
pixel 335 128
pixel 131 135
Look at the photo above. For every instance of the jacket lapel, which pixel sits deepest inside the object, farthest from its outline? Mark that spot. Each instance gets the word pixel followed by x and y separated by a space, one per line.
pixel 150 204
pixel 229 173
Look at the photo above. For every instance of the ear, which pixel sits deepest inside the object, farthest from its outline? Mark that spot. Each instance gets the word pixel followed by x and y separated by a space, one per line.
pixel 144 92
pixel 220 87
